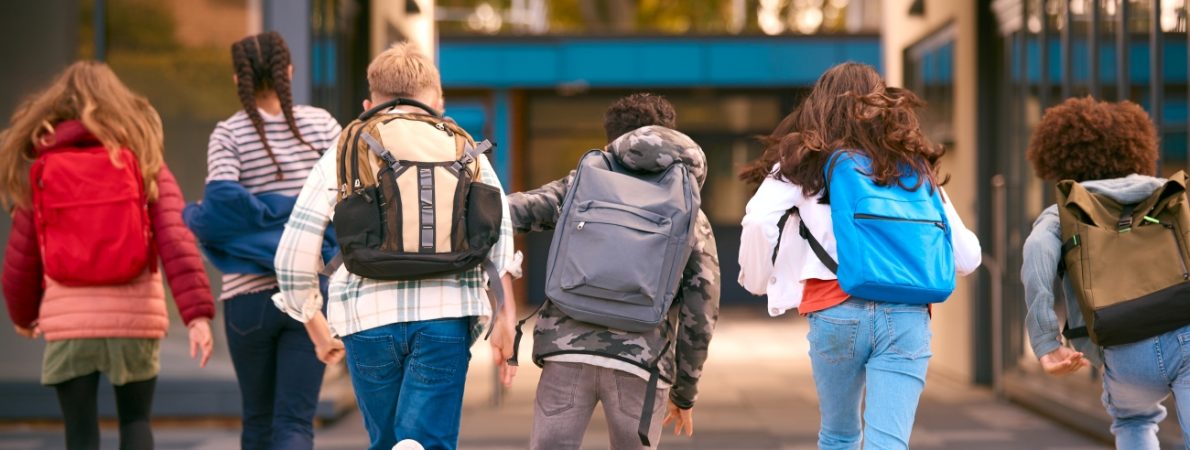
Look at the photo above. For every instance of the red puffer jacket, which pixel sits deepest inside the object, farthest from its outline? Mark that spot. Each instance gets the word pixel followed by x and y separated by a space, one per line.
pixel 136 309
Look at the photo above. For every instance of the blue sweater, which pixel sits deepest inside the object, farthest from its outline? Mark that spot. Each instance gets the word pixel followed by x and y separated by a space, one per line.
pixel 239 232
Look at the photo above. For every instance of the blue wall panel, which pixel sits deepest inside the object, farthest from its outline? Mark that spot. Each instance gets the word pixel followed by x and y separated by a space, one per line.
pixel 648 62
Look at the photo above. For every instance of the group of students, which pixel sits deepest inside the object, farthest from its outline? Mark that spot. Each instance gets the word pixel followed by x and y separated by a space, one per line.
pixel 390 243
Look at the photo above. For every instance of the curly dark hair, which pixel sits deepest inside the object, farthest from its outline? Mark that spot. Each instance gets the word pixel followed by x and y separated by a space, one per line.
pixel 1085 139
pixel 850 108
pixel 638 110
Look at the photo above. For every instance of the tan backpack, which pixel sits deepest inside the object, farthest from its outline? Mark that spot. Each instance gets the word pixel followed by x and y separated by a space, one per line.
pixel 411 205
pixel 1127 263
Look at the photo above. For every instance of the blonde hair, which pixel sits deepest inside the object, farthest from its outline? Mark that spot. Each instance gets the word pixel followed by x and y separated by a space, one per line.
pixel 90 92
pixel 403 71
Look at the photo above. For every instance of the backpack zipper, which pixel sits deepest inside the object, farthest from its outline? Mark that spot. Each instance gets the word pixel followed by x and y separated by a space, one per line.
pixel 936 223
pixel 1177 240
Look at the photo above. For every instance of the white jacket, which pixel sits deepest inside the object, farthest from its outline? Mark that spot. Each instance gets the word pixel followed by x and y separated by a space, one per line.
pixel 796 262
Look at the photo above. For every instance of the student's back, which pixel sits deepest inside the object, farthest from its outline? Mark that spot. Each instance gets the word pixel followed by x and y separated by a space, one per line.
pixel 96 291
pixel 257 162
pixel 1110 150
pixel 574 353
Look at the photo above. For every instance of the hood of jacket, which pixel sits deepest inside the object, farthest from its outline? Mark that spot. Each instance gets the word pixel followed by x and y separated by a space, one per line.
pixel 654 148
pixel 68 134
pixel 1130 189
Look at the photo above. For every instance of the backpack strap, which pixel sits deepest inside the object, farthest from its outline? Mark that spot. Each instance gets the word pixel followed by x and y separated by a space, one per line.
pixel 1124 224
pixel 471 154
pixel 1067 247
pixel 818 249
pixel 1074 333
pixel 516 340
pixel 833 161
pixel 781 230
pixel 646 409
pixel 496 287
pixel 398 102
pixel 379 150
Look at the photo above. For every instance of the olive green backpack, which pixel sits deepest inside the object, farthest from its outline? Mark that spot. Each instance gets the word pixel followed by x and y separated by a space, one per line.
pixel 1127 263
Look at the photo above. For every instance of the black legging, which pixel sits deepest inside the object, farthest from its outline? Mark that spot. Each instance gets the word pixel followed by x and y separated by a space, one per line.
pixel 77 397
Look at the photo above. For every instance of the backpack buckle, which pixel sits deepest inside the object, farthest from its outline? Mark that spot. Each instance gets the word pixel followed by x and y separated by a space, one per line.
pixel 1124 225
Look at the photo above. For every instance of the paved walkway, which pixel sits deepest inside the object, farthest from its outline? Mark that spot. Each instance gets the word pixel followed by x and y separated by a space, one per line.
pixel 756 394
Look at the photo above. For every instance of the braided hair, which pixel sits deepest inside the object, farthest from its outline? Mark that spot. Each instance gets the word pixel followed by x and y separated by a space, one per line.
pixel 262 63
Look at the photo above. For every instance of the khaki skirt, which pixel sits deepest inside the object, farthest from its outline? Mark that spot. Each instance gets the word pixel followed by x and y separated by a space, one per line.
pixel 122 360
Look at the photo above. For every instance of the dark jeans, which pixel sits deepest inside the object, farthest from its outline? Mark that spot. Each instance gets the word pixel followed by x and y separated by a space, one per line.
pixel 278 373
pixel 408 380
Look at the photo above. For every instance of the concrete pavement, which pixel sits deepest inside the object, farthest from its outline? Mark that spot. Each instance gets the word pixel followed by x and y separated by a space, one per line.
pixel 757 394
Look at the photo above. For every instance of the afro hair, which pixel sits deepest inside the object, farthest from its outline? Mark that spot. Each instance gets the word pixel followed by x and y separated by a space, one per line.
pixel 1084 139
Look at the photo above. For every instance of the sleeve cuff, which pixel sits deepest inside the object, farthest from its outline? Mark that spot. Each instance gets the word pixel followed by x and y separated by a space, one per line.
pixel 680 402
pixel 1046 345
pixel 516 266
pixel 311 306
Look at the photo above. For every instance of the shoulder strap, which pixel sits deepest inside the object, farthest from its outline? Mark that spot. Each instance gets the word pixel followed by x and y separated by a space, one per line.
pixel 816 246
pixel 781 231
pixel 829 172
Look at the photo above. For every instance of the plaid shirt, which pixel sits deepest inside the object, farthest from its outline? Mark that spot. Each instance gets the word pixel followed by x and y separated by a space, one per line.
pixel 358 303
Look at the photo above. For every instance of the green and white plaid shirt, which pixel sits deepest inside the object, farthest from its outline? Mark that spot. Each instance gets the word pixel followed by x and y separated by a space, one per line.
pixel 358 303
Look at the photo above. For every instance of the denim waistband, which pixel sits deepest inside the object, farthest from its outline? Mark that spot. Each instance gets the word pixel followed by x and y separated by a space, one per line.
pixel 859 303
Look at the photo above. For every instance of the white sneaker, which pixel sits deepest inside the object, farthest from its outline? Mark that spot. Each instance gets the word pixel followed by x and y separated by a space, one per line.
pixel 408 444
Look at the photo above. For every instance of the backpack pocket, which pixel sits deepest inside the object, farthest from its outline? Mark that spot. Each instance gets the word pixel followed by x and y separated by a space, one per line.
pixel 613 253
pixel 908 259
pixel 76 243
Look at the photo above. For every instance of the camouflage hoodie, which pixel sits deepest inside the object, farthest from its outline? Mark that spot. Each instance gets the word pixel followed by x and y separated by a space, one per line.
pixel 696 307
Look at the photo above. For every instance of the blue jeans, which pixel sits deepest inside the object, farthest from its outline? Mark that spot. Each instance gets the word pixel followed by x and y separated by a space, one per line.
pixel 1137 377
pixel 883 347
pixel 277 370
pixel 408 380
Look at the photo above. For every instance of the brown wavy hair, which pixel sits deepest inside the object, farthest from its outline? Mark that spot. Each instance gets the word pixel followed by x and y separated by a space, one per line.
pixel 850 108
pixel 1084 139
pixel 90 92
pixel 261 64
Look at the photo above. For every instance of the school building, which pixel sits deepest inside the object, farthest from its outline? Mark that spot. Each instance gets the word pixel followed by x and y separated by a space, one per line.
pixel 535 77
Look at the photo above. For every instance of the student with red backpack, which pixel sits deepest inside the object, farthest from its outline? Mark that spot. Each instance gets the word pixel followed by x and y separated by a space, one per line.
pixel 94 207
pixel 1117 242
pixel 851 226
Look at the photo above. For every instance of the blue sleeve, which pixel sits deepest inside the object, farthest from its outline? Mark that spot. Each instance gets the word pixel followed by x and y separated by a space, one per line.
pixel 1043 250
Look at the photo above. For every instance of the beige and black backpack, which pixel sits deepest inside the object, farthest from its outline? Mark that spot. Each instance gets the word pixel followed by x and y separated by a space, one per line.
pixel 411 205
pixel 1127 263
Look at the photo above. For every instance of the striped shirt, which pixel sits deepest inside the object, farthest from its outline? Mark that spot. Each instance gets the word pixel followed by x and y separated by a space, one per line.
pixel 356 303
pixel 236 153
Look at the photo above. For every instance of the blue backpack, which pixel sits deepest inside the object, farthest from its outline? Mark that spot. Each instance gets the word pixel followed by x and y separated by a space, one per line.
pixel 893 243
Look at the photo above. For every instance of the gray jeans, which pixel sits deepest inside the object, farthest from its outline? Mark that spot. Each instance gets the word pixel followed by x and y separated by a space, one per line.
pixel 566 398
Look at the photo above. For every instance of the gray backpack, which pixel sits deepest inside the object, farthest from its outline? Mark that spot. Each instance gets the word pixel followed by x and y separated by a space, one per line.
pixel 621 243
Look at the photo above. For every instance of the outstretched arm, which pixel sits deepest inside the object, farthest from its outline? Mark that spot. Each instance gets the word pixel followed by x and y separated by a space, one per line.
pixel 538 209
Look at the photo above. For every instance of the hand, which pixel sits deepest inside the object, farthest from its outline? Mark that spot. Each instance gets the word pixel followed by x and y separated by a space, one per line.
pixel 327 348
pixel 1063 361
pixel 330 351
pixel 200 340
pixel 502 339
pixel 28 333
pixel 683 419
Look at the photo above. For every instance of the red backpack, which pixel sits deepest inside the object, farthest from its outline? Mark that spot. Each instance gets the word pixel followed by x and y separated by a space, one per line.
pixel 92 216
